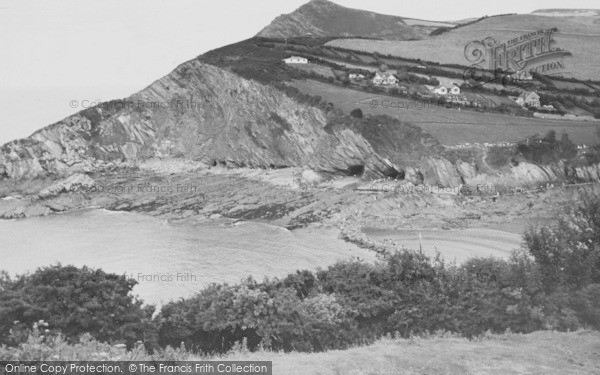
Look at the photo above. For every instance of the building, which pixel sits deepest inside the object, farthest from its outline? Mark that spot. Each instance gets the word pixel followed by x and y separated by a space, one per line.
pixel 529 99
pixel 444 90
pixel 440 90
pixel 356 76
pixel 296 60
pixel 522 75
pixel 454 90
pixel 385 79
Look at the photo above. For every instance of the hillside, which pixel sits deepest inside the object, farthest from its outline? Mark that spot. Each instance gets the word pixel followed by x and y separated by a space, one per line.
pixel 580 38
pixel 595 13
pixel 320 18
pixel 203 113
pixel 536 353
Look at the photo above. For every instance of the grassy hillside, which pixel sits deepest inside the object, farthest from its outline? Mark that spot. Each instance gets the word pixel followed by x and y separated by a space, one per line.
pixel 536 353
pixel 541 352
pixel 579 37
pixel 324 18
pixel 449 126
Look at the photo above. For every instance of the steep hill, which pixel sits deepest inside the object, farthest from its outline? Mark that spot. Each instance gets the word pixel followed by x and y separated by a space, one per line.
pixel 323 18
pixel 204 113
pixel 580 38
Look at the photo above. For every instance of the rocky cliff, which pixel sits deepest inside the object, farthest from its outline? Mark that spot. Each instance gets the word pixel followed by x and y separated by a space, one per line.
pixel 198 112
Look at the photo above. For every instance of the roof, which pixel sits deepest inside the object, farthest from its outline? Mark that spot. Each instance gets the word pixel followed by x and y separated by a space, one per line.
pixel 528 94
pixel 296 57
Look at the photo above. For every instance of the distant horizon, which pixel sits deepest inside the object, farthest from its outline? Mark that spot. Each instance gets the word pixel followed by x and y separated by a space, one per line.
pixel 55 52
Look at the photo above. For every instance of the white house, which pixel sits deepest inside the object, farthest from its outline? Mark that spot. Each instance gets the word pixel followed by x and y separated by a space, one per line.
pixel 443 90
pixel 529 98
pixel 296 60
pixel 522 75
pixel 355 76
pixel 384 79
pixel 440 90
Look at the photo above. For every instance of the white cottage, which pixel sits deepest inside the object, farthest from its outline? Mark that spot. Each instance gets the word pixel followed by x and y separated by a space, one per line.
pixel 296 60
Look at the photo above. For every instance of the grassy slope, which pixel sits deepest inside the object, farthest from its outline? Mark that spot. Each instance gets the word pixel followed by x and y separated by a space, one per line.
pixel 536 353
pixel 324 18
pixel 450 126
pixel 574 35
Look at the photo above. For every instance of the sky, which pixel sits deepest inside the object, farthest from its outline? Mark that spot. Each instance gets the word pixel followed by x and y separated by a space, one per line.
pixel 56 52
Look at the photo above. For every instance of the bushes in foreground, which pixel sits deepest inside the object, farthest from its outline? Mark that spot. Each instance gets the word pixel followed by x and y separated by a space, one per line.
pixel 553 283
pixel 72 301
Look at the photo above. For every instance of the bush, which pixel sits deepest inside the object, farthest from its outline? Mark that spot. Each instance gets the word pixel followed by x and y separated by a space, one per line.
pixel 357 113
pixel 72 301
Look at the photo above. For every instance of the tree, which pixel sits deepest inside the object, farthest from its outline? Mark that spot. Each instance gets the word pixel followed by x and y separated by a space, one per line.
pixel 550 136
pixel 569 254
pixel 75 301
pixel 357 113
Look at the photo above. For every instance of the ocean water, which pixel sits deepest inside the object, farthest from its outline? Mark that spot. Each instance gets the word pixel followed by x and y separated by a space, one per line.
pixel 170 261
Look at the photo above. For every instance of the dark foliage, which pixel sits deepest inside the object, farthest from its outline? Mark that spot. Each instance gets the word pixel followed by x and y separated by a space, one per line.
pixel 548 149
pixel 73 301
pixel 552 283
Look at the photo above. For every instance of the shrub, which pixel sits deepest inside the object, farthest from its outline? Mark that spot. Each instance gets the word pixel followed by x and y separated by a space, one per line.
pixel 72 301
pixel 357 113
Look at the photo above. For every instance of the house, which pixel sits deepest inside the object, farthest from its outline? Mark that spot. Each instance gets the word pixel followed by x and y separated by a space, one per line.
pixel 455 90
pixel 440 90
pixel 356 76
pixel 296 60
pixel 528 99
pixel 522 75
pixel 384 79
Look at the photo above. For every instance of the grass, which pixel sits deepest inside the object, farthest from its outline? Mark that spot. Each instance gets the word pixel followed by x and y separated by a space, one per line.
pixel 580 39
pixel 450 126
pixel 542 352
pixel 535 353
pixel 322 70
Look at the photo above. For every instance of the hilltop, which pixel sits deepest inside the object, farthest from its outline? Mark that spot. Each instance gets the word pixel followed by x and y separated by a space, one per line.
pixel 582 39
pixel 568 12
pixel 320 18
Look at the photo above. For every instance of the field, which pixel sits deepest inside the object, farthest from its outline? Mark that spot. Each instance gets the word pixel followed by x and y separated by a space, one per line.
pixel 582 40
pixel 570 85
pixel 536 353
pixel 322 70
pixel 450 126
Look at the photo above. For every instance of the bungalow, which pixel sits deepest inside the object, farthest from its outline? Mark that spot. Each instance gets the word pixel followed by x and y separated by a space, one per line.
pixel 440 90
pixel 356 76
pixel 384 79
pixel 522 75
pixel 296 60
pixel 443 90
pixel 529 99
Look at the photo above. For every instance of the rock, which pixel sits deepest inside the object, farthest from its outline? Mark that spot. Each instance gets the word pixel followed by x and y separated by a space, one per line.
pixel 440 171
pixel 74 183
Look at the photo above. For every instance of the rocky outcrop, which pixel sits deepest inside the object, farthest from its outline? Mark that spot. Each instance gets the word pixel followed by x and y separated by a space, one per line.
pixel 198 112
pixel 439 171
pixel 589 173
pixel 74 183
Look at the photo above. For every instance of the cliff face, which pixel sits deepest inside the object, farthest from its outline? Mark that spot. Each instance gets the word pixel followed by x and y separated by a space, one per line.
pixel 203 113
pixel 324 18
pixel 439 171
pixel 197 112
